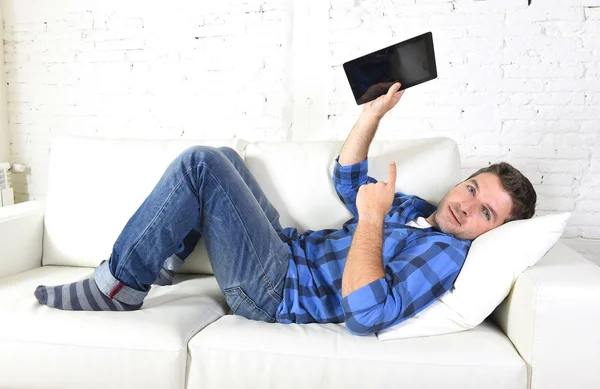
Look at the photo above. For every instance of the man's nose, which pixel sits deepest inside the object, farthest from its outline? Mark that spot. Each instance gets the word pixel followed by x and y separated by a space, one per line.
pixel 467 207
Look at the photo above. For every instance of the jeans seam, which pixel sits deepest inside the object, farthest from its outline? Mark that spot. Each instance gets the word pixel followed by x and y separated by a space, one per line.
pixel 270 288
pixel 248 300
pixel 126 259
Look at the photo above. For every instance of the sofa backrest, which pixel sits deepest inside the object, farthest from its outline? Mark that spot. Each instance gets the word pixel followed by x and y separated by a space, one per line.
pixel 297 179
pixel 96 184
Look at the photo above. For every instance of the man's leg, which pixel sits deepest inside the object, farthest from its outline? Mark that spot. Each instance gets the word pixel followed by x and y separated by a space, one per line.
pixel 200 187
pixel 175 261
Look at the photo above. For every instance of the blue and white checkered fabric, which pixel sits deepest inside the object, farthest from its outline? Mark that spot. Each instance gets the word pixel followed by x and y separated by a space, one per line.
pixel 420 265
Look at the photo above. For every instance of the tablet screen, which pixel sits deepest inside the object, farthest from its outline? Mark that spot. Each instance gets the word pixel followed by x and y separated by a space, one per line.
pixel 411 62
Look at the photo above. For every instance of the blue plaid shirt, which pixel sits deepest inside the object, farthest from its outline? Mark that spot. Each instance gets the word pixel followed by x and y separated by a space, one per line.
pixel 420 265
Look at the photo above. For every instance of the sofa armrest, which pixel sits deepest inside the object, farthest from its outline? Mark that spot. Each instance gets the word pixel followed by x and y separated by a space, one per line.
pixel 552 316
pixel 21 233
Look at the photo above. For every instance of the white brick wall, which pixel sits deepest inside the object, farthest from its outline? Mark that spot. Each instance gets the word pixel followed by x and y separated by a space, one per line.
pixel 4 142
pixel 516 83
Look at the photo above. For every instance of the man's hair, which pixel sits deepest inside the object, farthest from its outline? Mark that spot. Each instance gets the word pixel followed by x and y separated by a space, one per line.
pixel 517 186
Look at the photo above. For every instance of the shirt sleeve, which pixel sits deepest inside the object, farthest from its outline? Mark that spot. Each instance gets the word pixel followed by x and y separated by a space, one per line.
pixel 413 280
pixel 347 179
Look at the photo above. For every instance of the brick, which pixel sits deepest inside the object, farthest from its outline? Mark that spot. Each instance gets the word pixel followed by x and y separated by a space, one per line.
pixel 549 152
pixel 542 44
pixel 59 36
pixel 483 7
pixel 111 35
pixel 561 29
pixel 127 44
pixel 590 26
pixel 64 57
pixel 21 36
pixel 543 71
pixel 590 126
pixel 564 85
pixel 105 22
pixel 100 56
pixel 562 126
pixel 16 58
pixel 590 41
pixel 461 99
pixel 588 219
pixel 478 112
pixel 556 98
pixel 83 23
pixel 520 139
pixel 587 206
pixel 592 98
pixel 509 112
pixel 430 111
pixel 212 30
pixel 45 47
pixel 522 85
pixel 574 112
pixel 557 179
pixel 592 69
pixel 562 166
pixel 25 27
pixel 143 55
pixel 592 13
pixel 523 126
pixel 522 29
pixel 537 14
pixel 466 20
pixel 560 204
pixel 554 191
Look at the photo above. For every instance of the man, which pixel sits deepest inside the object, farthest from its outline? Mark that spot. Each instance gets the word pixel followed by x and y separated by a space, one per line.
pixel 396 256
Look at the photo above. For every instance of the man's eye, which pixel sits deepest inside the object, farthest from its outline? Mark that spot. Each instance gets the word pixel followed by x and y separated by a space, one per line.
pixel 471 189
pixel 486 213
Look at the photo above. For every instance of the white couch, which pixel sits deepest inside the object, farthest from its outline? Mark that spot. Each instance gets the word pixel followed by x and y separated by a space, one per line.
pixel 544 335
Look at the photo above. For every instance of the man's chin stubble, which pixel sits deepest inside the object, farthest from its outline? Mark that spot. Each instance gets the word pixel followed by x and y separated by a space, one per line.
pixel 444 229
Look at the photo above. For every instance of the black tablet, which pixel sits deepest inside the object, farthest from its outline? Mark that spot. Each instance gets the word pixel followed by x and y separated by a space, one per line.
pixel 411 62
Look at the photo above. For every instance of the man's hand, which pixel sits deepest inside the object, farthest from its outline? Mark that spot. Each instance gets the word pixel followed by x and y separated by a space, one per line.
pixel 374 201
pixel 381 105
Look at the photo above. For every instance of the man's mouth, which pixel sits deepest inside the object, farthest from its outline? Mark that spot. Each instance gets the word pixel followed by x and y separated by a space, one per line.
pixel 454 215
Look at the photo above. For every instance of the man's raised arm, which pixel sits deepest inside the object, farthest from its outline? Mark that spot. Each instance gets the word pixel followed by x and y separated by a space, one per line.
pixel 364 265
pixel 357 144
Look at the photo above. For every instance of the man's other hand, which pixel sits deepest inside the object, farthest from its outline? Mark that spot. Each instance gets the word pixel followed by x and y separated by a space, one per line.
pixel 374 201
pixel 381 105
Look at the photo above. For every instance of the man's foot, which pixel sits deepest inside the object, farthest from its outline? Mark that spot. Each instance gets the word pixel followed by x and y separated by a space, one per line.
pixel 80 296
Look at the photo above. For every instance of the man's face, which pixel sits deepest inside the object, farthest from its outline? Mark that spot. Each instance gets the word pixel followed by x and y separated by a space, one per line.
pixel 473 207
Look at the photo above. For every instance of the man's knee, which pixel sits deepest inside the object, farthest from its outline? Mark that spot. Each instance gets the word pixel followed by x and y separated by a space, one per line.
pixel 230 153
pixel 201 153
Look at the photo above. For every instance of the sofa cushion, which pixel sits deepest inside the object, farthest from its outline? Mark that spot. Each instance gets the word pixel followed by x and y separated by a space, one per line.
pixel 46 348
pixel 327 355
pixel 296 176
pixel 94 187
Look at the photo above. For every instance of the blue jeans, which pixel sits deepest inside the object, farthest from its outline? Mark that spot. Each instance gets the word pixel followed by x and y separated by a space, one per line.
pixel 205 192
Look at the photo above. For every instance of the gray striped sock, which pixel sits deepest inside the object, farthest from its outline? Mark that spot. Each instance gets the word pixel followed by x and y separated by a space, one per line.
pixel 167 273
pixel 165 277
pixel 80 296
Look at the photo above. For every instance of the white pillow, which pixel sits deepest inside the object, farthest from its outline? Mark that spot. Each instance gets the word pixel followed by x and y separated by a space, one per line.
pixel 493 263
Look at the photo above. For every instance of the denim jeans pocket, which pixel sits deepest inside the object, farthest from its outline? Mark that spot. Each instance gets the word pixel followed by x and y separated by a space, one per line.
pixel 242 305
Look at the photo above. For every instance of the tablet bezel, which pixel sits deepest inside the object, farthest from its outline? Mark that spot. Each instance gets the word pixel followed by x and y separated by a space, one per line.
pixel 430 52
